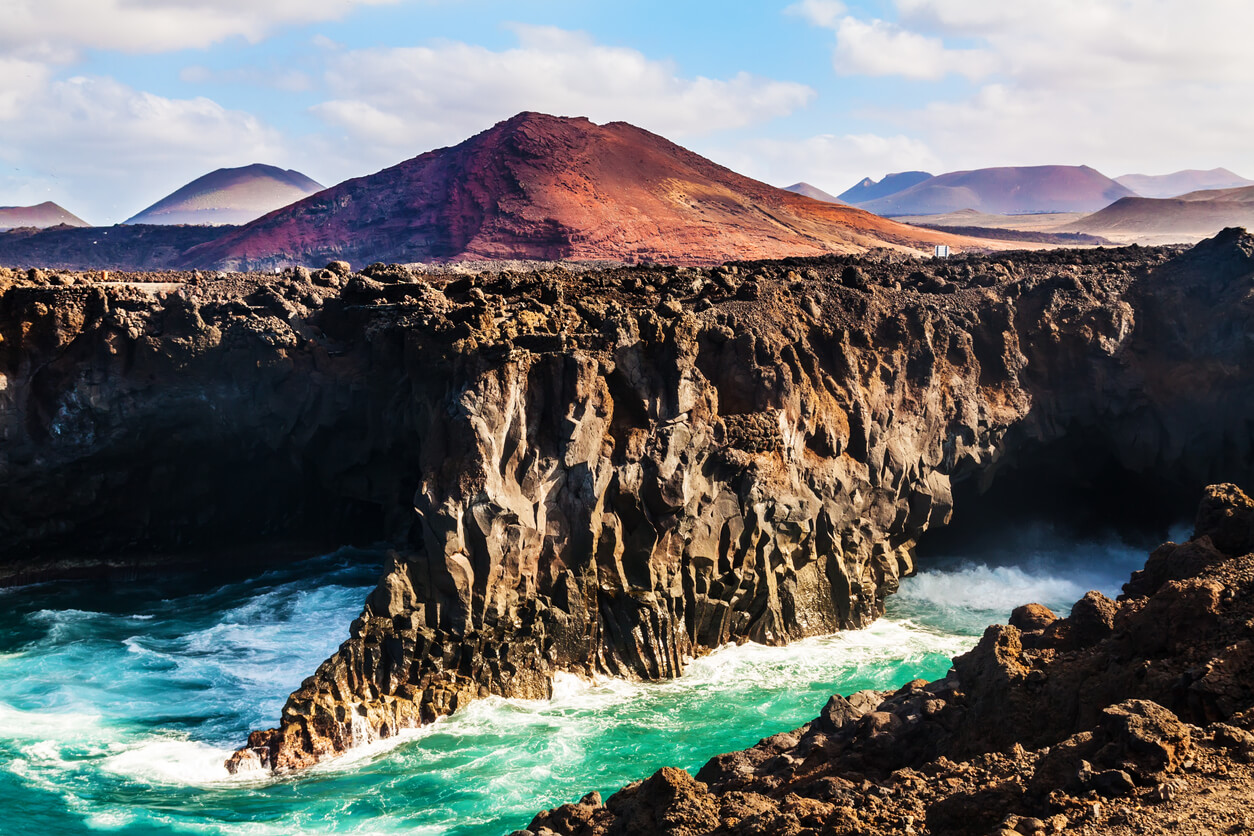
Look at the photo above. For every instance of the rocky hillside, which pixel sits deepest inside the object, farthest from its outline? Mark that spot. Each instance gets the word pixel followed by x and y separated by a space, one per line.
pixel 606 472
pixel 543 187
pixel 1127 717
pixel 102 248
pixel 230 196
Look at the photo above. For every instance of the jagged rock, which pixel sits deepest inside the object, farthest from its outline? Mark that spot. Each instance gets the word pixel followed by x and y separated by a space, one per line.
pixel 574 482
pixel 1007 752
pixel 1030 618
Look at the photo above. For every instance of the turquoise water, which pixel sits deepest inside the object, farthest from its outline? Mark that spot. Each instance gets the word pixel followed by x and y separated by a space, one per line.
pixel 119 701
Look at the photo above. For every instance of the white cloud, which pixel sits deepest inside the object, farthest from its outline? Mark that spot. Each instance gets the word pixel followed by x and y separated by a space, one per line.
pixel 1122 85
pixel 56 29
pixel 114 149
pixel 823 13
pixel 397 102
pixel 831 162
pixel 878 48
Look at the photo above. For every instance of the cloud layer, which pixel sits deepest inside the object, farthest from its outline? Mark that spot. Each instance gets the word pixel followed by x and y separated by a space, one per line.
pixel 1121 84
pixel 402 101
pixel 57 29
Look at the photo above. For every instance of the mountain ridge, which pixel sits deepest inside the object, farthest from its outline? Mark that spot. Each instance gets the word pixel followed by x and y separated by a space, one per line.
pixel 811 191
pixel 867 189
pixel 1182 182
pixel 549 188
pixel 1005 190
pixel 39 216
pixel 229 196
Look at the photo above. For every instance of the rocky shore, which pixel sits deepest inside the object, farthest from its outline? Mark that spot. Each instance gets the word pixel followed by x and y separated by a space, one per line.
pixel 604 472
pixel 1128 716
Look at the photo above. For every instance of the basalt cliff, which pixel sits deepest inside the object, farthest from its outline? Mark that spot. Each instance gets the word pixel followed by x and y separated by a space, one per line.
pixel 603 472
pixel 1126 717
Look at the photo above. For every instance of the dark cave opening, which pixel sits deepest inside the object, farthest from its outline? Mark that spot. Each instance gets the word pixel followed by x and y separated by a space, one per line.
pixel 1077 487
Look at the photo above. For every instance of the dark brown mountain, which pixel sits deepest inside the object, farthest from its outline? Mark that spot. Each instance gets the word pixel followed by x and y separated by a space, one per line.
pixel 544 187
pixel 1182 182
pixel 1014 190
pixel 1185 219
pixel 40 217
pixel 230 196
pixel 813 192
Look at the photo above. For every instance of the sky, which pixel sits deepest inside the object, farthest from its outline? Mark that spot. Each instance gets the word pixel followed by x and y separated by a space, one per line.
pixel 106 106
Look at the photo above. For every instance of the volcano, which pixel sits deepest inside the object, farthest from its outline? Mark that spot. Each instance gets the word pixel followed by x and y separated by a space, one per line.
pixel 230 196
pixel 42 216
pixel 548 188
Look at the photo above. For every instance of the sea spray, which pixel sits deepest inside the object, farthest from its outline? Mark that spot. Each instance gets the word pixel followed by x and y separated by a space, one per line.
pixel 116 711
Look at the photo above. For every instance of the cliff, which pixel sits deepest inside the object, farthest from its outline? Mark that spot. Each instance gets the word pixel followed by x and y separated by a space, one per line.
pixel 604 472
pixel 1129 716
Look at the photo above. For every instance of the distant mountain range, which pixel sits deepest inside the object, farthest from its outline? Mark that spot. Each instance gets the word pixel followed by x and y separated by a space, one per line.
pixel 544 187
pixel 1189 217
pixel 41 216
pixel 230 196
pixel 1011 190
pixel 867 189
pixel 813 192
pixel 1182 182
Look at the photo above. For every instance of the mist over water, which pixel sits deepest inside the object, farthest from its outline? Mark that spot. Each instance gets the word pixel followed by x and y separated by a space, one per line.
pixel 119 702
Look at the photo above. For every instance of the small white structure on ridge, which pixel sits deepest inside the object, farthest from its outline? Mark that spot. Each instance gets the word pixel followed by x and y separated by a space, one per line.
pixel 942 251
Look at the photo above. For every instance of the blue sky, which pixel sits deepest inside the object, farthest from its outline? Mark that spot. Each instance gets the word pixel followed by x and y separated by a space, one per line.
pixel 108 105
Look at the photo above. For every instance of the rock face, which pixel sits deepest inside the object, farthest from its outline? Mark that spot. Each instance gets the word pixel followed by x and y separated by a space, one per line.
pixel 543 187
pixel 1094 721
pixel 602 472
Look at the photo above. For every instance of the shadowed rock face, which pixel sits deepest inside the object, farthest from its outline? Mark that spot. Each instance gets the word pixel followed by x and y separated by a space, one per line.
pixel 1135 702
pixel 600 472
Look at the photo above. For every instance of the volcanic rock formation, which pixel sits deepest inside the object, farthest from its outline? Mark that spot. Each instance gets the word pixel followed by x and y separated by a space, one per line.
pixel 1129 716
pixel 542 187
pixel 230 196
pixel 601 472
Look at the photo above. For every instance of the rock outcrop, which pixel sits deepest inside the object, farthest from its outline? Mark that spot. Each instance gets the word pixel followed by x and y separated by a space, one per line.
pixel 1132 716
pixel 603 472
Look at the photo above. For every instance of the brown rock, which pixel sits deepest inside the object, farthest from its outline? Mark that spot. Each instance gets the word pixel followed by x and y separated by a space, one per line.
pixel 1032 617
